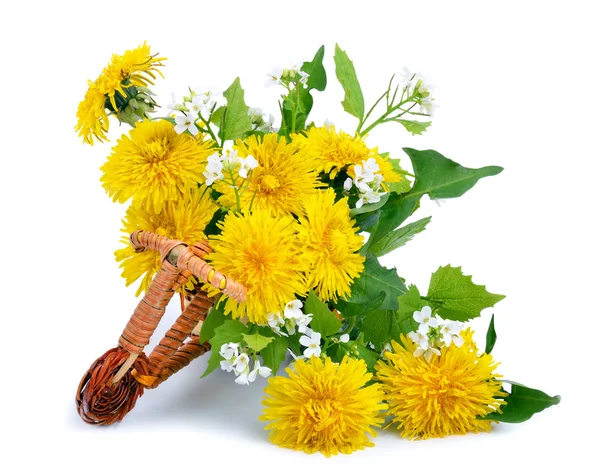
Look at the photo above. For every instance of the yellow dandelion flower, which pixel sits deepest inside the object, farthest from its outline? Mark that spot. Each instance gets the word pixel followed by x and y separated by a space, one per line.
pixel 333 151
pixel 184 219
pixel 323 406
pixel 282 180
pixel 113 90
pixel 154 164
pixel 443 396
pixel 92 120
pixel 260 251
pixel 330 242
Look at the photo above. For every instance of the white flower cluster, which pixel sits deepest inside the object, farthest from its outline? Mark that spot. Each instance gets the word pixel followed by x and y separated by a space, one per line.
pixel 367 181
pixel 281 75
pixel 262 121
pixel 417 88
pixel 191 108
pixel 293 319
pixel 434 332
pixel 228 162
pixel 239 363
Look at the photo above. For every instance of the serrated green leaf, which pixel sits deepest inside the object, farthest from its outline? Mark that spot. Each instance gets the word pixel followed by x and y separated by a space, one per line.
pixel 374 280
pixel 436 176
pixel 490 338
pixel 522 403
pixel 274 353
pixel 369 208
pixel 368 220
pixel 323 320
pixel 236 122
pixel 317 75
pixel 230 331
pixel 354 102
pixel 399 237
pixel 415 127
pixel 256 341
pixel 457 296
pixel 215 318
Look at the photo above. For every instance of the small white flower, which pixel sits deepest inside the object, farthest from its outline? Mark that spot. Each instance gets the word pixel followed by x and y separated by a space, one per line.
pixel 186 123
pixel 276 322
pixel 227 366
pixel 263 371
pixel 420 339
pixel 230 160
pixel 243 378
pixel 274 77
pixel 450 331
pixel 348 184
pixel 241 362
pixel 369 196
pixel 196 105
pixel 302 323
pixel 214 169
pixel 344 338
pixel 303 77
pixel 255 113
pixel 313 344
pixel 423 317
pixel 371 166
pixel 171 107
pixel 293 309
pixel 407 77
pixel 229 350
pixel 246 165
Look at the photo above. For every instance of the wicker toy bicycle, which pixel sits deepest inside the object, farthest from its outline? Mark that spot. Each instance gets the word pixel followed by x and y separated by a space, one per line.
pixel 112 385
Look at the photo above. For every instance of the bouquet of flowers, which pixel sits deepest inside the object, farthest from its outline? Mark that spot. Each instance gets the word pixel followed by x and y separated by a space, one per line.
pixel 298 214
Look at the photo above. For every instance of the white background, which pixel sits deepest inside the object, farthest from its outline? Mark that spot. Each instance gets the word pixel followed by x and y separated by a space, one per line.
pixel 517 85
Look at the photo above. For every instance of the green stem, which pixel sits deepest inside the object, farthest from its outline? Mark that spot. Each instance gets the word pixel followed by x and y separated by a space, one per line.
pixel 209 129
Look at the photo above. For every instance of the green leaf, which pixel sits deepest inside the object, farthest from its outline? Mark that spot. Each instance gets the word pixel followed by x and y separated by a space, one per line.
pixel 415 127
pixel 354 102
pixel 354 310
pixel 323 321
pixel 380 327
pixel 398 238
pixel 374 280
pixel 236 122
pixel 369 356
pixel 522 403
pixel 440 177
pixel 318 76
pixel 457 296
pixel 217 115
pixel 404 185
pixel 490 338
pixel 368 220
pixel 436 176
pixel 216 317
pixel 256 341
pixel 369 208
pixel 409 302
pixel 273 354
pixel 230 331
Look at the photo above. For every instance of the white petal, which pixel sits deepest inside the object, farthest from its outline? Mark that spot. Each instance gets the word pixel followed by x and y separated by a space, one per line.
pixel 458 340
pixel 180 128
pixel 305 341
pixel 348 184
pixel 426 310
pixel 344 338
pixel 264 371
pixel 417 316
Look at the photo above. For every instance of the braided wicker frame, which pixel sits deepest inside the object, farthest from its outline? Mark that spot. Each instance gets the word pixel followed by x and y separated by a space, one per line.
pixel 113 383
